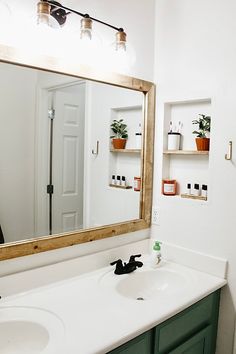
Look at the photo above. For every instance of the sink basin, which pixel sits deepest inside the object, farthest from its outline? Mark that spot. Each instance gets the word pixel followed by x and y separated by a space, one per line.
pixel 26 330
pixel 146 284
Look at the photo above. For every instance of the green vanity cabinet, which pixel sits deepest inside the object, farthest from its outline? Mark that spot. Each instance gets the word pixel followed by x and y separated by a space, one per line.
pixel 192 331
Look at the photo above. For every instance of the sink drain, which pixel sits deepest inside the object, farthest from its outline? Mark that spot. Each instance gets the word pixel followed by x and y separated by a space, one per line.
pixel 140 298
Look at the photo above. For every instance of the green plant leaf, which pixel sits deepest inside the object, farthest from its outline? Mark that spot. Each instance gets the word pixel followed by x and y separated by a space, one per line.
pixel 119 128
pixel 204 124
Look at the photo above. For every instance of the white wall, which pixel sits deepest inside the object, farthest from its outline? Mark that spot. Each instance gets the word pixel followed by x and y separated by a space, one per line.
pixel 117 204
pixel 17 121
pixel 195 58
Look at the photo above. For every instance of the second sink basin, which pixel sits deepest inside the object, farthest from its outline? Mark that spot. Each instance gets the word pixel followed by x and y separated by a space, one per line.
pixel 146 283
pixel 27 330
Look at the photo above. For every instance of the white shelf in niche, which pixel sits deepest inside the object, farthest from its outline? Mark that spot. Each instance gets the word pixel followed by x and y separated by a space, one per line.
pixel 120 187
pixel 186 165
pixel 126 151
pixel 185 152
pixel 176 199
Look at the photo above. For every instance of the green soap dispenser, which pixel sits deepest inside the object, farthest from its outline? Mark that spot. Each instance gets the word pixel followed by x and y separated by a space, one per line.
pixel 156 254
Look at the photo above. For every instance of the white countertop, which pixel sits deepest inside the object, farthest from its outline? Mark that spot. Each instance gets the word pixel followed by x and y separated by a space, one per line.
pixel 98 319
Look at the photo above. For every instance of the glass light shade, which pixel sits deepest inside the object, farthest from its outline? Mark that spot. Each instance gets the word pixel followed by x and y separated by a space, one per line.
pixel 46 39
pixel 121 56
pixel 90 49
pixel 86 34
pixel 121 46
pixel 82 46
pixel 86 29
pixel 44 19
pixel 43 39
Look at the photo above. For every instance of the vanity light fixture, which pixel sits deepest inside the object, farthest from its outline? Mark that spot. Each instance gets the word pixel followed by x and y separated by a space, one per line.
pixel 54 14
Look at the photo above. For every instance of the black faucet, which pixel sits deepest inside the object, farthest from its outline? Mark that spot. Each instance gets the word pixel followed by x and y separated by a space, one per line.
pixel 127 267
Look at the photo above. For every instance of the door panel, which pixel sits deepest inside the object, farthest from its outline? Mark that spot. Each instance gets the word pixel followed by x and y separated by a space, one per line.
pixel 70 169
pixel 68 160
pixel 198 344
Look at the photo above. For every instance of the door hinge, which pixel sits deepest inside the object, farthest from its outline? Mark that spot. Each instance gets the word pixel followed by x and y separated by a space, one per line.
pixel 51 113
pixel 50 189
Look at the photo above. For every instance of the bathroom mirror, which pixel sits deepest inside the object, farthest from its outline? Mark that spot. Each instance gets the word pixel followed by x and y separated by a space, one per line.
pixel 57 159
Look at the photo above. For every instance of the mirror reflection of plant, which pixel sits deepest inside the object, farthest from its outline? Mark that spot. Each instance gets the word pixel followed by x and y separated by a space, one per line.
pixel 119 128
pixel 204 124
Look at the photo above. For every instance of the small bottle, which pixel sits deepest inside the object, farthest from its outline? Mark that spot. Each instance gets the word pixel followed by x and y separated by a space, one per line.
pixel 189 188
pixel 138 139
pixel 123 181
pixel 156 254
pixel 113 180
pixel 137 184
pixel 204 191
pixel 196 190
pixel 118 180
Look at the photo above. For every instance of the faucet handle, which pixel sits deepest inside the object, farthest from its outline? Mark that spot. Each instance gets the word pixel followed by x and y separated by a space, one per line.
pixel 119 266
pixel 116 262
pixel 132 258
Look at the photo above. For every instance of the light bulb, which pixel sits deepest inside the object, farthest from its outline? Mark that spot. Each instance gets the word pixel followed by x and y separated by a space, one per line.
pixel 121 41
pixel 86 29
pixel 43 16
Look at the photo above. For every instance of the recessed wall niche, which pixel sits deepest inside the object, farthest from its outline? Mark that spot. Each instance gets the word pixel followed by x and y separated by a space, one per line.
pixel 186 165
pixel 127 162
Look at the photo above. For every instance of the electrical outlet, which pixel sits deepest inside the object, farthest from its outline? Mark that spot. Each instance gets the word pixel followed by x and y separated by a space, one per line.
pixel 155 216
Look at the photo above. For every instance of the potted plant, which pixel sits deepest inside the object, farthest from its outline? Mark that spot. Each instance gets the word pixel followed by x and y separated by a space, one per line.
pixel 120 136
pixel 204 125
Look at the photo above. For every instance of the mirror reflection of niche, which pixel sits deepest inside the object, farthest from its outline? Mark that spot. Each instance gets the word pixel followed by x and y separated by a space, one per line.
pixel 40 150
pixel 128 163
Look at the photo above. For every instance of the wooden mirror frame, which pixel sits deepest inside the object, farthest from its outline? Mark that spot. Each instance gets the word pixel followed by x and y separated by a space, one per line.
pixel 46 243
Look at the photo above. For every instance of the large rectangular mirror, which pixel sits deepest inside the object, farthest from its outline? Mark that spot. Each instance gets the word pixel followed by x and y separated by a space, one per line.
pixel 57 159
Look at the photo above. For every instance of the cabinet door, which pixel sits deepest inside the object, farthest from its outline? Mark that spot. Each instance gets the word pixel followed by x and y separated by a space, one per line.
pixel 178 329
pixel 198 344
pixel 139 345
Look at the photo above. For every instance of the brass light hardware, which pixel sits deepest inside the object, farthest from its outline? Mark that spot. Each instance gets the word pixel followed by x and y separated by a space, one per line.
pixel 43 8
pixel 86 23
pixel 43 12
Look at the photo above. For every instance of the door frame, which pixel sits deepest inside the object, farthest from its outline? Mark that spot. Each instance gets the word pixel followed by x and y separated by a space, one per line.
pixel 42 143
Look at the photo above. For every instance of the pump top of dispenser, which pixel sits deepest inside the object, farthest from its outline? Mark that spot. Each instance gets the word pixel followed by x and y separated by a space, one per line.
pixel 157 246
